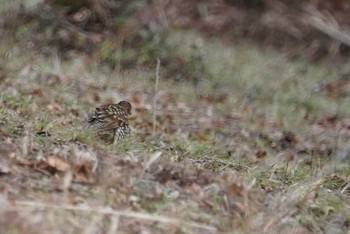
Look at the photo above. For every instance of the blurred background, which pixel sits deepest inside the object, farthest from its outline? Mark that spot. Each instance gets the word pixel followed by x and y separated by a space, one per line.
pixel 133 33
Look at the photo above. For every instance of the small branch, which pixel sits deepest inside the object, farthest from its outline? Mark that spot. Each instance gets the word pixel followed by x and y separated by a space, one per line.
pixel 119 53
pixel 155 97
pixel 149 163
pixel 326 24
pixel 114 224
pixel 109 211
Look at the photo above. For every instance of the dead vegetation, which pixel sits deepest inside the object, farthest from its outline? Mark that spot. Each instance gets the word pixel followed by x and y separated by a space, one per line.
pixel 225 137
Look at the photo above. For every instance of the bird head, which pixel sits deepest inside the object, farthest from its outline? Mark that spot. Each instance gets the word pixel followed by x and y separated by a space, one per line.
pixel 126 106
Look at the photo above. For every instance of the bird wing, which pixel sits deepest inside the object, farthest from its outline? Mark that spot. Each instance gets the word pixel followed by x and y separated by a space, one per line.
pixel 108 117
pixel 112 122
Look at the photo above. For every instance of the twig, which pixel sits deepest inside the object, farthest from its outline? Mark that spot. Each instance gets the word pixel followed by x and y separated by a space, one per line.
pixel 288 204
pixel 149 163
pixel 91 226
pixel 327 25
pixel 114 224
pixel 155 97
pixel 109 211
pixel 120 42
pixel 25 145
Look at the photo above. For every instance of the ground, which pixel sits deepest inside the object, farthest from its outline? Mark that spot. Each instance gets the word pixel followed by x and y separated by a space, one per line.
pixel 226 138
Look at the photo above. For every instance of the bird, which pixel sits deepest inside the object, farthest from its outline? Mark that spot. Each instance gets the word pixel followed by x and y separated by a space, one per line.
pixel 110 121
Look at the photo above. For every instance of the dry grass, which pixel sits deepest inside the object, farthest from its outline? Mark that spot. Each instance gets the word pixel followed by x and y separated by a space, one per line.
pixel 249 148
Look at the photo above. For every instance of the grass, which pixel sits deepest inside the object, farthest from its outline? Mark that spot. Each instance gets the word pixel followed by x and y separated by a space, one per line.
pixel 257 158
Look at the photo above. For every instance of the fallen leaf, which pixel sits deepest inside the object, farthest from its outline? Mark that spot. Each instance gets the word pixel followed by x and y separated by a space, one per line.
pixel 66 182
pixel 58 164
pixel 24 162
pixel 37 92
pixel 260 154
pixel 236 189
pixel 83 174
pixel 76 200
pixel 202 137
pixel 4 169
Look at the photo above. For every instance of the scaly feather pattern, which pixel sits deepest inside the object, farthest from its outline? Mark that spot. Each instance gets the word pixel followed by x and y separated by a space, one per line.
pixel 111 121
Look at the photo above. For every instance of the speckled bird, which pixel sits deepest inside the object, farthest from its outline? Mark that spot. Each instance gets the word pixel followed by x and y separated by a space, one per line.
pixel 111 121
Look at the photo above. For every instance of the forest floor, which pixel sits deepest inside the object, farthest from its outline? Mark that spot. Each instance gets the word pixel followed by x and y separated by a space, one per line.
pixel 234 138
pixel 261 144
